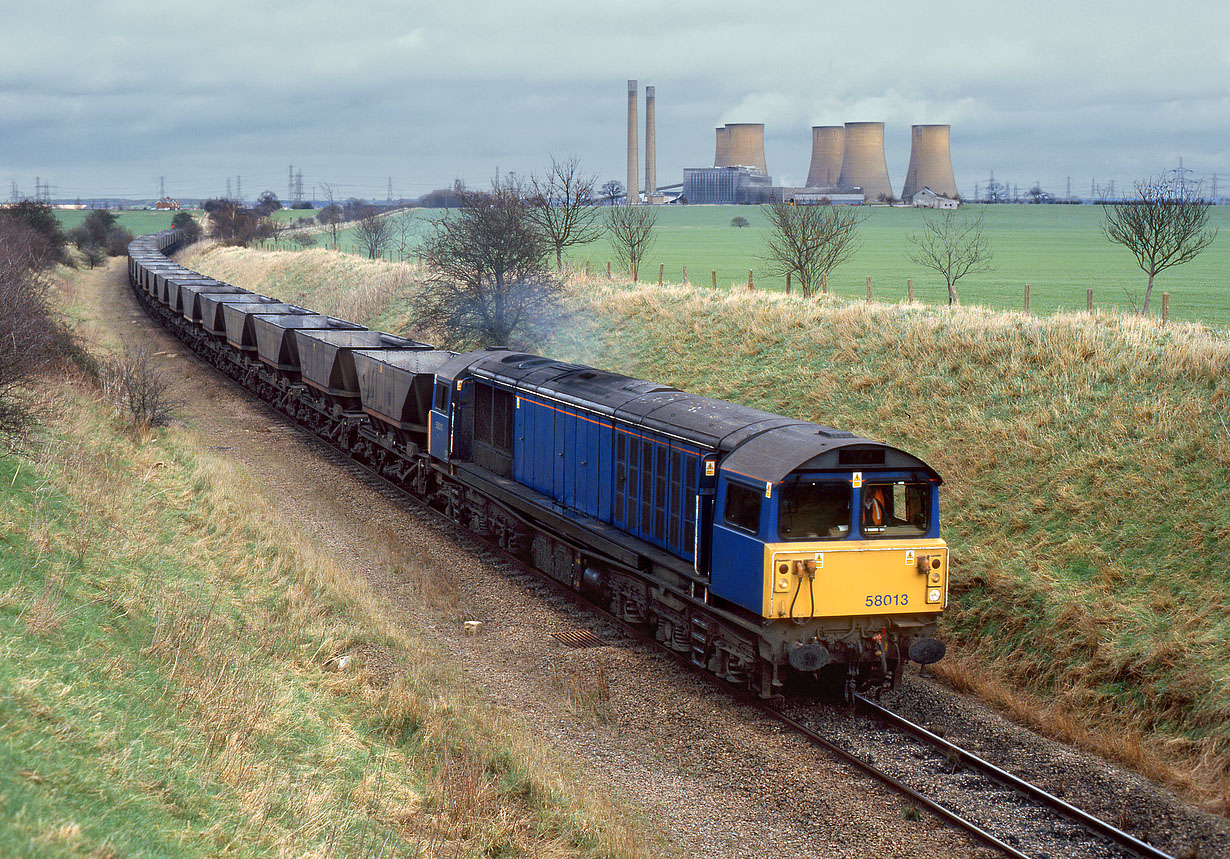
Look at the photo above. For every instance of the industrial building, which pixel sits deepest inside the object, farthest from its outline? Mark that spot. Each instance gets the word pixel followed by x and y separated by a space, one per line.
pixel 848 165
pixel 930 163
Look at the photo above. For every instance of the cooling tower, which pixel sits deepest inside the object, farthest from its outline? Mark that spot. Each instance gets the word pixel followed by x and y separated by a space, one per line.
pixel 721 155
pixel 930 162
pixel 828 144
pixel 634 184
pixel 745 146
pixel 651 157
pixel 862 162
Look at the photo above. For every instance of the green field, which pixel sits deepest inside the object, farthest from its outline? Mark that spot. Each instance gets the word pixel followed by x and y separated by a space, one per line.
pixel 1058 250
pixel 138 221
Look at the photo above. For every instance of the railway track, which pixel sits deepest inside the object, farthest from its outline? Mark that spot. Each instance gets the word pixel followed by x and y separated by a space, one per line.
pixel 1007 819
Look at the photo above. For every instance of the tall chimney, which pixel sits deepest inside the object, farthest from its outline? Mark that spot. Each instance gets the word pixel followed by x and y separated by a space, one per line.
pixel 745 146
pixel 651 157
pixel 721 153
pixel 633 186
pixel 862 163
pixel 930 162
pixel 828 145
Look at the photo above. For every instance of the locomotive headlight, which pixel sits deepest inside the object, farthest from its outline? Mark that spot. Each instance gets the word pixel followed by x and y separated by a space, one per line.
pixel 935 577
pixel 933 595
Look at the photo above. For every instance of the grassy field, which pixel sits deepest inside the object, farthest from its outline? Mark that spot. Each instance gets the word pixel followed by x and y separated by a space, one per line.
pixel 138 222
pixel 1087 467
pixel 171 682
pixel 1058 250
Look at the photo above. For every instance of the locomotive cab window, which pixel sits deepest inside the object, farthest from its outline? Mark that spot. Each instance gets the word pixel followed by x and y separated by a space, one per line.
pixel 743 507
pixel 899 509
pixel 814 510
pixel 441 397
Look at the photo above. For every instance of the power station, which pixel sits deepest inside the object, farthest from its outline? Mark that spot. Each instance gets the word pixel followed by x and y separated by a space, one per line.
pixel 862 161
pixel 930 163
pixel 848 165
pixel 828 147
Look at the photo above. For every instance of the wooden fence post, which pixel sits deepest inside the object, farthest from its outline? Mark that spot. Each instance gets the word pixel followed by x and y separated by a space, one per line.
pixel 1089 300
pixel 1165 307
pixel 787 283
pixel 824 283
pixel 909 289
pixel 685 274
pixel 869 287
pixel 608 269
pixel 1027 298
pixel 715 278
pixel 661 271
pixel 751 284
pixel 587 269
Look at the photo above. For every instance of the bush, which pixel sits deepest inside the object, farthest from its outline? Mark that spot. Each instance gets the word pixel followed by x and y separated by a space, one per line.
pixel 28 331
pixel 185 222
pixel 40 218
pixel 117 241
pixel 136 382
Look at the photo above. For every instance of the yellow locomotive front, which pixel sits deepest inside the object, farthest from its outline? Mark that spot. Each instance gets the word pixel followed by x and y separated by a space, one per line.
pixel 844 566
pixel 855 547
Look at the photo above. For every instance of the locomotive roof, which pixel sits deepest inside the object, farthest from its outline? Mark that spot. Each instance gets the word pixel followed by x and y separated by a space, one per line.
pixel 759 445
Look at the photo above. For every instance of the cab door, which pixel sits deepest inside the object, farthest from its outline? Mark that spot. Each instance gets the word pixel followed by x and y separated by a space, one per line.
pixel 439 437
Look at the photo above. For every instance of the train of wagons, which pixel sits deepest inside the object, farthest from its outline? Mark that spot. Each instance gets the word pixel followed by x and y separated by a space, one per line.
pixel 759 546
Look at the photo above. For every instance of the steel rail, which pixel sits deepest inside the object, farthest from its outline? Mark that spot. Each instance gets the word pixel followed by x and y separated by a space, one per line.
pixel 1087 821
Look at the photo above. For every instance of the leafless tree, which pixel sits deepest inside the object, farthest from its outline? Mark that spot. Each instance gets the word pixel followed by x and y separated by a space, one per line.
pixel 808 242
pixel 373 231
pixel 488 272
pixel 952 245
pixel 405 234
pixel 1166 226
pixel 28 330
pixel 612 190
pixel 137 382
pixel 562 205
pixel 630 231
pixel 331 214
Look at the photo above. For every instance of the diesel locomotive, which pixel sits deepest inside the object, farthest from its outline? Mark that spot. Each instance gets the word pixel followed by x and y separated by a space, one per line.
pixel 757 545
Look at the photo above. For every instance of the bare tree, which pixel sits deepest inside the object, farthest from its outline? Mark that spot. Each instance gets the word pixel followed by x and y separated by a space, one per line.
pixel 612 190
pixel 562 205
pixel 630 231
pixel 373 231
pixel 952 245
pixel 405 234
pixel 1167 226
pixel 808 242
pixel 137 382
pixel 28 330
pixel 330 214
pixel 488 275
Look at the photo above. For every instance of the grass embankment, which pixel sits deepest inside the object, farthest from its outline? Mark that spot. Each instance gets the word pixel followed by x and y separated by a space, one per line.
pixel 1087 462
pixel 1087 496
pixel 184 673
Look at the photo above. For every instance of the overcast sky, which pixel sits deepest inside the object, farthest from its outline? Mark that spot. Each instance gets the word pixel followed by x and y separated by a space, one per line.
pixel 102 98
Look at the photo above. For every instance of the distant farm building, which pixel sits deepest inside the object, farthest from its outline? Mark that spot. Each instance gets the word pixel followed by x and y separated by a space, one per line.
pixel 928 199
pixel 167 203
